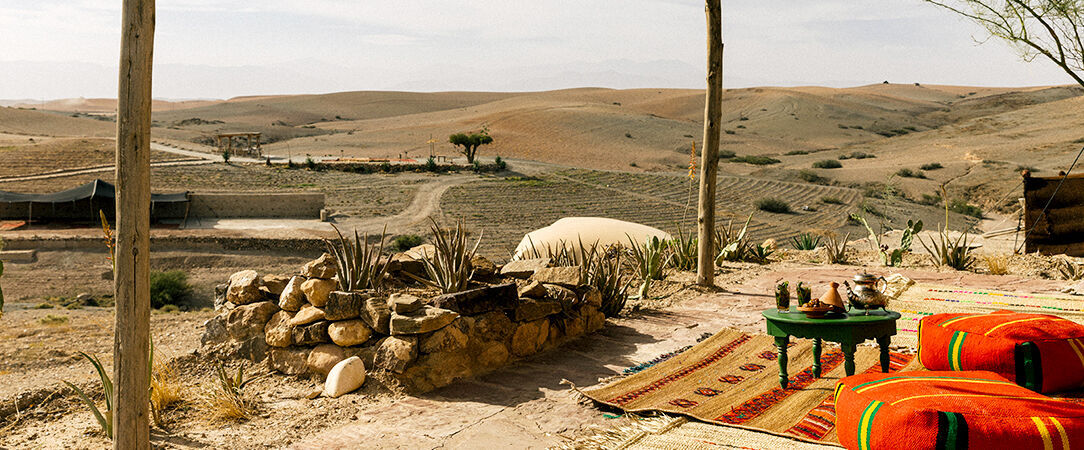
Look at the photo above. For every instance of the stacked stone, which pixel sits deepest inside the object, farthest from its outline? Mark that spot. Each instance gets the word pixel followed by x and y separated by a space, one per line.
pixel 309 327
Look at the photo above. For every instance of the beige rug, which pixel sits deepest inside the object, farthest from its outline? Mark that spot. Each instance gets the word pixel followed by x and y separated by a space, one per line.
pixel 732 378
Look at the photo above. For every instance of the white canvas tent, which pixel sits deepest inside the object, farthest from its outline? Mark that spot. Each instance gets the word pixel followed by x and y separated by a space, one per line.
pixel 570 231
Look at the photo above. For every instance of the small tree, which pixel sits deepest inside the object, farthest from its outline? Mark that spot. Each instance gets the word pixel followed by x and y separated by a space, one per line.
pixel 469 143
pixel 1050 28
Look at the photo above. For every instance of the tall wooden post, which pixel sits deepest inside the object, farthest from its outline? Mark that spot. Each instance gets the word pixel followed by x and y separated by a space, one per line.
pixel 709 166
pixel 131 425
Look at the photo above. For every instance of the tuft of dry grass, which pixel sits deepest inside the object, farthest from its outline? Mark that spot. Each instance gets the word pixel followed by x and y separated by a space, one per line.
pixel 53 320
pixel 166 389
pixel 997 264
pixel 226 399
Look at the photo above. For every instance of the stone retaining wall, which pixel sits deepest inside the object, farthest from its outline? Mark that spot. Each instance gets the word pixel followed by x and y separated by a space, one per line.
pixel 304 326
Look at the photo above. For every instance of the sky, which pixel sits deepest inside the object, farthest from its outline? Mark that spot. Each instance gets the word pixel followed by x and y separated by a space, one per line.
pixel 226 48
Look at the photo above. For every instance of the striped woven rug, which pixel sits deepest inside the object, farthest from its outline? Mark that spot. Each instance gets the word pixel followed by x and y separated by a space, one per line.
pixel 922 300
pixel 732 378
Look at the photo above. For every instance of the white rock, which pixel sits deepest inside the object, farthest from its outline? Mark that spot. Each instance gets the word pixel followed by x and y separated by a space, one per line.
pixel 347 376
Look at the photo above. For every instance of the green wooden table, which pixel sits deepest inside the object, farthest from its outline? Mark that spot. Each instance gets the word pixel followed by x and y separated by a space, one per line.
pixel 848 330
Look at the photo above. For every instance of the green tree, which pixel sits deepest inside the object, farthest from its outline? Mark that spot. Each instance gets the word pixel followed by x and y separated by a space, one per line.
pixel 1048 28
pixel 469 143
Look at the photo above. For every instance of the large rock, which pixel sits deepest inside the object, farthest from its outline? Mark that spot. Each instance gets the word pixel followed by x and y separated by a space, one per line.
pixel 524 268
pixel 439 369
pixel 425 320
pixel 530 337
pixel 377 315
pixel 447 339
pixel 322 358
pixel 424 251
pixel 291 298
pixel 404 303
pixel 317 290
pixel 568 276
pixel 348 333
pixel 274 284
pixel 590 296
pixel 248 320
pixel 278 332
pixel 244 288
pixel 565 296
pixel 214 331
pixel 483 268
pixel 479 301
pixel 346 377
pixel 290 361
pixel 405 263
pixel 394 353
pixel 533 289
pixel 312 334
pixel 308 314
pixel 528 310
pixel 322 267
pixel 492 326
pixel 344 305
pixel 595 320
pixel 220 296
pixel 493 355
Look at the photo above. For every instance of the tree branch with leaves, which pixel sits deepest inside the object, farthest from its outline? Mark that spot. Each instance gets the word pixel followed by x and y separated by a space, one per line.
pixel 1048 28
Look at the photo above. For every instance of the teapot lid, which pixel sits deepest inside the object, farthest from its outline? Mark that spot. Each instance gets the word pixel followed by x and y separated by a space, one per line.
pixel 864 278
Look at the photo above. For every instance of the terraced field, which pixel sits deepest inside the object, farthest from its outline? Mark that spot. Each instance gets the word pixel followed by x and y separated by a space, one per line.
pixel 507 208
pixel 53 154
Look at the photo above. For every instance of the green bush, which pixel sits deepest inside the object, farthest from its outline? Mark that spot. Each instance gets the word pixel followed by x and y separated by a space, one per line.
pixel 501 164
pixel 774 205
pixel 796 152
pixel 407 242
pixel 169 288
pixel 908 173
pixel 857 155
pixel 932 166
pixel 962 207
pixel 310 163
pixel 827 164
pixel 831 200
pixel 810 176
pixel 755 160
pixel 928 199
pixel 731 132
pixel 726 154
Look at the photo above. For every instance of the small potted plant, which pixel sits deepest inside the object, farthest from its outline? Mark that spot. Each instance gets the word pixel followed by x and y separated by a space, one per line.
pixel 805 294
pixel 782 297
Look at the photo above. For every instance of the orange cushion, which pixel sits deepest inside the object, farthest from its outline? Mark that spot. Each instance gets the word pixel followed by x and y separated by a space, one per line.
pixel 952 410
pixel 1041 352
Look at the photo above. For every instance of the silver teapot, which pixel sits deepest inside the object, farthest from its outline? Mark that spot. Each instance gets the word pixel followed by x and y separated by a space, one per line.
pixel 866 295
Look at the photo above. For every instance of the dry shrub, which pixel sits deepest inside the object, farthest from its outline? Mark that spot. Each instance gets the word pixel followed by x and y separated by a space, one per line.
pixel 166 389
pixel 227 399
pixel 997 264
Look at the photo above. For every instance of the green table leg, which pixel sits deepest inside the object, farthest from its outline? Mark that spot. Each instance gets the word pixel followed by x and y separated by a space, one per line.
pixel 883 343
pixel 817 357
pixel 781 348
pixel 848 357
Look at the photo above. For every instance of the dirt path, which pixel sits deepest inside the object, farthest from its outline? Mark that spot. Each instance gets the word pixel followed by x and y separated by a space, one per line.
pixel 426 203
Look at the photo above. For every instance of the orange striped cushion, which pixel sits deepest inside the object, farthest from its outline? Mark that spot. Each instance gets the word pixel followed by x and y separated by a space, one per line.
pixel 1041 352
pixel 952 410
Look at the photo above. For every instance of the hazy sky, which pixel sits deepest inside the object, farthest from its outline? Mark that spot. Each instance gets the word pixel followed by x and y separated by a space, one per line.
pixel 222 48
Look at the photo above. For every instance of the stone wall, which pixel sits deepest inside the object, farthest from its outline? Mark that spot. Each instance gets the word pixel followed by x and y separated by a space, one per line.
pixel 305 205
pixel 304 326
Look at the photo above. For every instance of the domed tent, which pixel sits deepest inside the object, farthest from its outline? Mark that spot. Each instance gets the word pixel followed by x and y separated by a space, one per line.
pixel 569 232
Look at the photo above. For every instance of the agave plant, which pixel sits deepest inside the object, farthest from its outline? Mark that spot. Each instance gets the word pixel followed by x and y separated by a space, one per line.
pixel 946 251
pixel 649 258
pixel 104 420
pixel 358 264
pixel 227 398
pixel 449 269
pixel 835 249
pixel 683 251
pixel 733 245
pixel 605 275
pixel 806 241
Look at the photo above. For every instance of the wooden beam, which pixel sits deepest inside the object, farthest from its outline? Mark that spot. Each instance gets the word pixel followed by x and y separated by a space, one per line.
pixel 709 166
pixel 131 377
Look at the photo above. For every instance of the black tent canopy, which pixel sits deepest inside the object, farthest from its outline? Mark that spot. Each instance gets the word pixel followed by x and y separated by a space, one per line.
pixel 83 203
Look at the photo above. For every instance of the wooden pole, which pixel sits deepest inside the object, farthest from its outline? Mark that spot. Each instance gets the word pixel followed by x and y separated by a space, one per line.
pixel 131 377
pixel 713 111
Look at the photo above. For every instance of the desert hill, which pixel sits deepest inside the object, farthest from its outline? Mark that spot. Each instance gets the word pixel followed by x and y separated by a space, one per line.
pixel 17 121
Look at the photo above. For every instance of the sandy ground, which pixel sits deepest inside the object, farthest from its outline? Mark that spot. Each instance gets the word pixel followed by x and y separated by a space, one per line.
pixel 525 405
